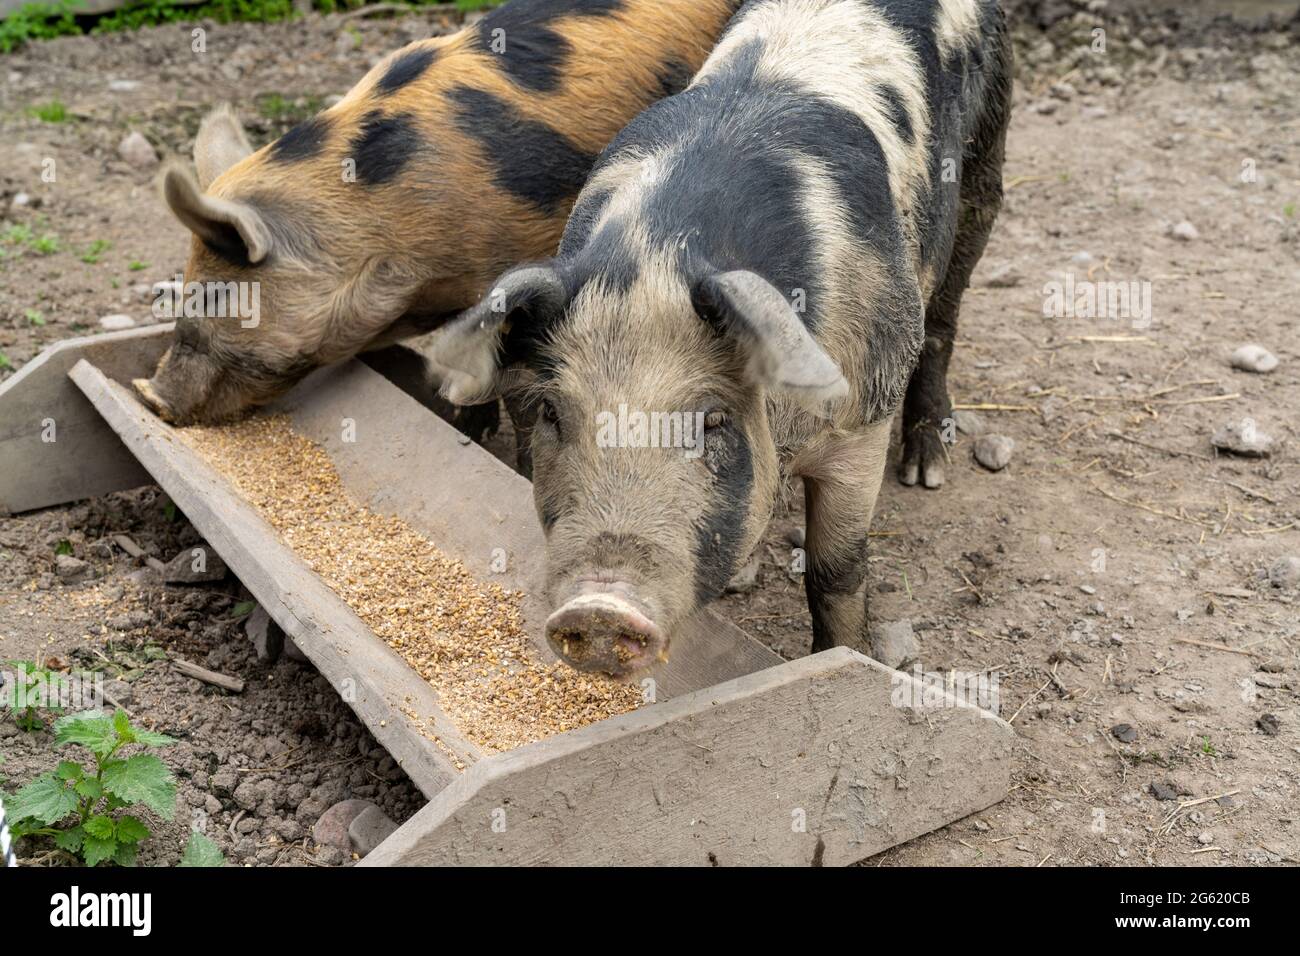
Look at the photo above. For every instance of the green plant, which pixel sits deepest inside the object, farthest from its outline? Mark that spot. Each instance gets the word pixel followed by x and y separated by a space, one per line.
pixel 18 234
pixel 31 692
pixel 52 112
pixel 47 244
pixel 201 852
pixel 34 316
pixel 37 21
pixel 135 265
pixel 95 250
pixel 4 362
pixel 76 805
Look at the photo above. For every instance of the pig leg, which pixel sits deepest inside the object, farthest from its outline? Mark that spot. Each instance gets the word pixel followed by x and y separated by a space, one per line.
pixel 840 489
pixel 928 402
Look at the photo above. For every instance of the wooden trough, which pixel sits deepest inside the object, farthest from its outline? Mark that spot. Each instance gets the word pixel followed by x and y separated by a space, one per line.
pixel 743 758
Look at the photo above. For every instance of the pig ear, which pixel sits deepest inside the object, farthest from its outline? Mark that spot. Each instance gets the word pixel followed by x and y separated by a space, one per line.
pixel 781 354
pixel 233 229
pixel 219 145
pixel 470 352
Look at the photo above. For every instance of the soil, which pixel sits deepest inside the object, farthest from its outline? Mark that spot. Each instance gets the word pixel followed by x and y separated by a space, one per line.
pixel 1114 574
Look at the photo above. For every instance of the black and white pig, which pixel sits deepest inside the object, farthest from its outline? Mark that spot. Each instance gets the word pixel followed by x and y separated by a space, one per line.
pixel 778 249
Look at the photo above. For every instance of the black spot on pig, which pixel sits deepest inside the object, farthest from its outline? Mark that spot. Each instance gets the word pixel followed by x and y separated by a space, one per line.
pixel 523 37
pixel 407 68
pixel 898 114
pixel 718 536
pixel 674 76
pixel 530 160
pixel 383 146
pixel 304 141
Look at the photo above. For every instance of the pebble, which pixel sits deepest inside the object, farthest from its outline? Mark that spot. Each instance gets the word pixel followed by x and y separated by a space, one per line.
pixel 1164 791
pixel 1285 572
pixel 181 568
pixel 116 323
pixel 266 635
pixel 1254 358
pixel 1124 733
pixel 969 423
pixel 1206 838
pixel 123 86
pixel 894 644
pixel 247 796
pixel 137 151
pixel 20 201
pixel 1269 725
pixel 1243 438
pixel 331 830
pixel 69 568
pixel 368 829
pixel 994 451
pixel 1185 232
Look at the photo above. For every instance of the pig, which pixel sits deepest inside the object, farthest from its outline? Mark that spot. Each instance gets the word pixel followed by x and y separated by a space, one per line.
pixel 776 253
pixel 391 212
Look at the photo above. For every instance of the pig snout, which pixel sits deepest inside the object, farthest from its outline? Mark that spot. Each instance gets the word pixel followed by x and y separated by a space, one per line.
pixel 606 629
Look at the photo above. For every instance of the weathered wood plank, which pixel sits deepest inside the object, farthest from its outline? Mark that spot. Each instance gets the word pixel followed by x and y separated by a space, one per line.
pixel 369 675
pixel 404 461
pixel 808 763
pixel 86 458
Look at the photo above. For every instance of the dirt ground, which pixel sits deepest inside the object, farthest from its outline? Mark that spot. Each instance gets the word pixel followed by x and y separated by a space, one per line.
pixel 1114 574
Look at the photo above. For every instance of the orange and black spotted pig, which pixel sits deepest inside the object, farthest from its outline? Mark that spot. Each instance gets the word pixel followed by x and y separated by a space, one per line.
pixel 377 219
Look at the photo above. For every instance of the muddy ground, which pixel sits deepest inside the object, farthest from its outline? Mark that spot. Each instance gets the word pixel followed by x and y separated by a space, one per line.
pixel 1114 574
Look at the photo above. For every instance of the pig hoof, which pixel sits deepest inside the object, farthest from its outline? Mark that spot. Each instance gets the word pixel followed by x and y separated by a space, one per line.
pixel 924 462
pixel 909 473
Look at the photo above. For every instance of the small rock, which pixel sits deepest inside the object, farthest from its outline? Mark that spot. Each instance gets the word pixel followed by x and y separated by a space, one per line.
pixel 368 829
pixel 1254 358
pixel 137 151
pixel 1164 791
pixel 212 805
pixel 1269 725
pixel 331 830
pixel 983 826
pixel 1206 838
pixel 223 782
pixel 746 579
pixel 1185 232
pixel 20 201
pixel 994 451
pixel 1243 438
pixel 969 423
pixel 120 691
pixel 1087 589
pixel 123 86
pixel 199 565
pixel 1285 572
pixel 894 644
pixel 331 855
pixel 69 568
pixel 1005 276
pixel 1124 733
pixel 247 796
pixel 116 323
pixel 266 635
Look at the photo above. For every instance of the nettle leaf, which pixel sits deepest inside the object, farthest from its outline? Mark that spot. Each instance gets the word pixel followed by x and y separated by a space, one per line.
pixel 142 779
pixel 122 724
pixel 70 840
pixel 131 829
pixel 69 770
pixel 89 789
pixel 201 852
pixel 125 854
pixel 99 826
pixel 91 729
pixel 95 851
pixel 151 739
pixel 47 799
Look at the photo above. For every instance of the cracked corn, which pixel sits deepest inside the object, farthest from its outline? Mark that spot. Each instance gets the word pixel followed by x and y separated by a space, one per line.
pixel 464 637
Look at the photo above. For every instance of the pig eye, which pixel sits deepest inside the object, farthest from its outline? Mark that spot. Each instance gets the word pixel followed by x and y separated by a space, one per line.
pixel 715 419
